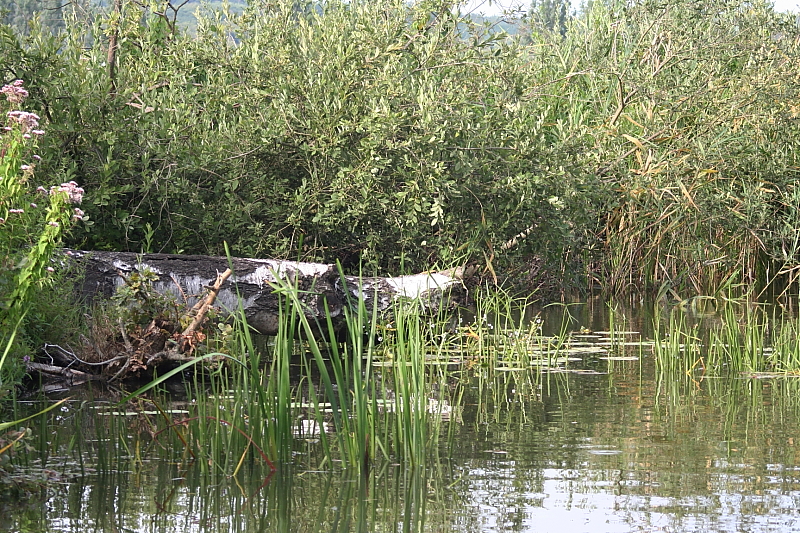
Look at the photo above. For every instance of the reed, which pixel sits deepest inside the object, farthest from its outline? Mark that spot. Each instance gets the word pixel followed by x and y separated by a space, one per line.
pixel 373 414
pixel 677 347
pixel 378 391
pixel 739 337
pixel 265 403
pixel 785 353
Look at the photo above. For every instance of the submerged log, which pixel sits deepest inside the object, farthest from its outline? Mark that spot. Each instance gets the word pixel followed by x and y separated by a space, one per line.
pixel 252 285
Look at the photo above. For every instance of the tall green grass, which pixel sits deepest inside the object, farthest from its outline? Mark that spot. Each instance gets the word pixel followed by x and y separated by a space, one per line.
pixel 739 337
pixel 361 401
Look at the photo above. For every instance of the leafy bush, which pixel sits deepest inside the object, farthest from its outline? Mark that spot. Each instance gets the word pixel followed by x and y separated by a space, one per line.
pixel 363 130
pixel 697 139
pixel 651 143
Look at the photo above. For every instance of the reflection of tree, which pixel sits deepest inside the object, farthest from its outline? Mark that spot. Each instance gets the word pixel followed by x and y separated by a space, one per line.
pixel 632 446
pixel 654 450
pixel 159 497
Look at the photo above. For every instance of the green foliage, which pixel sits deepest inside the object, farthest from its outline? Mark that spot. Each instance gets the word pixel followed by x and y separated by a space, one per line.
pixel 652 142
pixel 28 233
pixel 694 107
pixel 138 303
pixel 363 129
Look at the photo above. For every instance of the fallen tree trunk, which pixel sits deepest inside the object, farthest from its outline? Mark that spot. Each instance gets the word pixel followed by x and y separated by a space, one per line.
pixel 252 284
pixel 118 348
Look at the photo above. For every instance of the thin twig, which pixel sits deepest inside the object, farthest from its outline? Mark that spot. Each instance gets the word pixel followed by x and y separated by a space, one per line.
pixel 128 345
pixel 78 359
pixel 121 370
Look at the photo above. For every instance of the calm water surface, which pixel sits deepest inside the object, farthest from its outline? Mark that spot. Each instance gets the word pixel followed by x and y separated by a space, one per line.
pixel 607 446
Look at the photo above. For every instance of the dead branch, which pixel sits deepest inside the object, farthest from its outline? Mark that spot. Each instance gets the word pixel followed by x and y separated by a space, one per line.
pixel 201 309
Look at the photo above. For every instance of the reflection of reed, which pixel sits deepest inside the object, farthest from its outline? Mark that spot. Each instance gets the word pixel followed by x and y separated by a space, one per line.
pixel 668 439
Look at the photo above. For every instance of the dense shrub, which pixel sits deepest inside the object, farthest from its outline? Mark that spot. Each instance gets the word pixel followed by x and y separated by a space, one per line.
pixel 364 129
pixel 651 142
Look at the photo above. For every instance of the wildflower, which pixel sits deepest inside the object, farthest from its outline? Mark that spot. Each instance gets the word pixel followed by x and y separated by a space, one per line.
pixel 53 223
pixel 78 214
pixel 37 157
pixel 37 132
pixel 41 189
pixel 25 167
pixel 74 193
pixel 26 135
pixel 27 121
pixel 26 359
pixel 50 269
pixel 16 210
pixel 2 220
pixel 33 205
pixel 14 92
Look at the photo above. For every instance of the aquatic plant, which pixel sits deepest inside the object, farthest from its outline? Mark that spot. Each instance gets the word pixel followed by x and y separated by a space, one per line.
pixel 366 393
pixel 740 337
pixel 28 237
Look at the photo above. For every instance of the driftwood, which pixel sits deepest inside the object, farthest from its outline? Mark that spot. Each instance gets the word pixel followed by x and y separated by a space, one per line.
pixel 74 377
pixel 200 283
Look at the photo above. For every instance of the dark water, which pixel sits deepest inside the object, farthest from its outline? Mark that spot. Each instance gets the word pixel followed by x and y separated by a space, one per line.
pixel 616 447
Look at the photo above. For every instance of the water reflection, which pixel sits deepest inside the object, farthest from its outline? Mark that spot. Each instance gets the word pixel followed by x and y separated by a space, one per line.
pixel 613 455
pixel 621 449
pixel 154 500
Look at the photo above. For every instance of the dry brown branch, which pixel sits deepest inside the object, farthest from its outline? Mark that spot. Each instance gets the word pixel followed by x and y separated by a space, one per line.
pixel 201 308
pixel 190 335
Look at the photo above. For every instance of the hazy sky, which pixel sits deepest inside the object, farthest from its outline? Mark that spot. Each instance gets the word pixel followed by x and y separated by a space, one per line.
pixel 496 7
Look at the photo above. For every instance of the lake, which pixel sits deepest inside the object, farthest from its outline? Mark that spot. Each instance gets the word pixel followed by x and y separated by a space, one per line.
pixel 604 442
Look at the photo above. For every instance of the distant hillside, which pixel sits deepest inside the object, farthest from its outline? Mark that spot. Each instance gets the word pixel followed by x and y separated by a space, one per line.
pixel 186 14
pixel 17 13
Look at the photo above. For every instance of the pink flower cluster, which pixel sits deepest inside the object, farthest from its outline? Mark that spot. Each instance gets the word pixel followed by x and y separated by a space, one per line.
pixel 14 92
pixel 74 193
pixel 29 122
